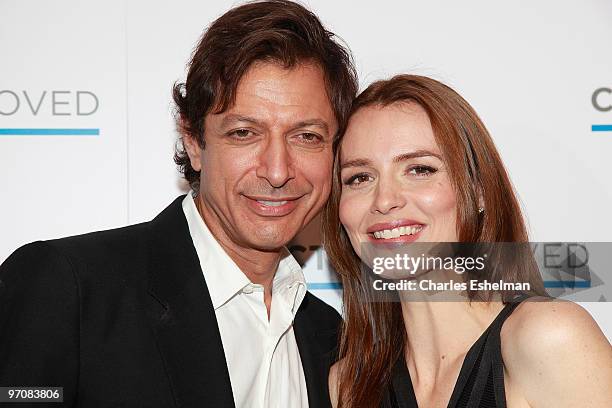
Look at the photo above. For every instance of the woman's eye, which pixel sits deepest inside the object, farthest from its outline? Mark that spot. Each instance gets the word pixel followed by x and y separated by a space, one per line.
pixel 357 179
pixel 421 171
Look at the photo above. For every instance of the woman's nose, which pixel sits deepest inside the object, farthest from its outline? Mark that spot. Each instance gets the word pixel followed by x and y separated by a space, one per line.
pixel 388 197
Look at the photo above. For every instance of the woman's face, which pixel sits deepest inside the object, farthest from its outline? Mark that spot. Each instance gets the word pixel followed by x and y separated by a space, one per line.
pixel 395 186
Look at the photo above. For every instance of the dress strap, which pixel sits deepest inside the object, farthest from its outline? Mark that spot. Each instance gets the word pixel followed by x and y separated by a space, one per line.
pixel 496 325
pixel 402 392
pixel 481 379
pixel 495 352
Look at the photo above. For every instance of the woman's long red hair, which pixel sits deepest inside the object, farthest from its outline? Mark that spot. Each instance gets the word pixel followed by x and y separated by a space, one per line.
pixel 373 335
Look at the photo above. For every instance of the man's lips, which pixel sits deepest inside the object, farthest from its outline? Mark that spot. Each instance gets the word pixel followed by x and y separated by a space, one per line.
pixel 272 206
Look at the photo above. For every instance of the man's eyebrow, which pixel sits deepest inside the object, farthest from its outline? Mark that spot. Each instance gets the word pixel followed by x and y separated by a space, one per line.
pixel 364 162
pixel 313 122
pixel 233 118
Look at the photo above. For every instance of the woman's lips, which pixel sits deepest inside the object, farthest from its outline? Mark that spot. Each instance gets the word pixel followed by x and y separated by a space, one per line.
pixel 395 231
pixel 401 239
pixel 404 222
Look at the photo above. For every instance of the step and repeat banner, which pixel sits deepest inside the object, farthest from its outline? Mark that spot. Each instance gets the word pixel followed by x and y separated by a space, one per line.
pixel 87 132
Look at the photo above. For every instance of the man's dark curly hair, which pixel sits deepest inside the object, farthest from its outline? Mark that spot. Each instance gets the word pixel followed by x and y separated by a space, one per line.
pixel 278 31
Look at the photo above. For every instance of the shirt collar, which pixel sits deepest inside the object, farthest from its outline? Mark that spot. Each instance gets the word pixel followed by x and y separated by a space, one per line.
pixel 289 281
pixel 225 279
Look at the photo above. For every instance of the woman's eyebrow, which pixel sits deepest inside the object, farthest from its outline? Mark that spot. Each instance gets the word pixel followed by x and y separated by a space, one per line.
pixel 364 162
pixel 356 163
pixel 417 153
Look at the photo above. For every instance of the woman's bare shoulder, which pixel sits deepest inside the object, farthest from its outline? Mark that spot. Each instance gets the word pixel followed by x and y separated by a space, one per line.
pixel 540 323
pixel 557 354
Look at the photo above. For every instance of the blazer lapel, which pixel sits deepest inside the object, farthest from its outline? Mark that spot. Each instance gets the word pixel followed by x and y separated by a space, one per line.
pixel 316 358
pixel 183 318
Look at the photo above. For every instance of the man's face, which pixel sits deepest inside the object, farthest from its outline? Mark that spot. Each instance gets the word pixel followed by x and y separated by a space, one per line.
pixel 266 167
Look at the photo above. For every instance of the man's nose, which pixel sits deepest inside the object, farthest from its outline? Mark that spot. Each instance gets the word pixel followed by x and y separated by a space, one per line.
pixel 388 197
pixel 275 163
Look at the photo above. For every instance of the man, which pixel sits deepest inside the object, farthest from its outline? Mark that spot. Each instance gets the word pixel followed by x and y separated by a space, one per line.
pixel 203 306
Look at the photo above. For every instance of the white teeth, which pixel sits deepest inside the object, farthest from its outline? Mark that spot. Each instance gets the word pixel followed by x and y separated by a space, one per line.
pixel 397 232
pixel 272 203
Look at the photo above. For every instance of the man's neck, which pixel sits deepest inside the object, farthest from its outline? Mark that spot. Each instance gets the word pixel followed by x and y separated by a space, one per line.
pixel 259 266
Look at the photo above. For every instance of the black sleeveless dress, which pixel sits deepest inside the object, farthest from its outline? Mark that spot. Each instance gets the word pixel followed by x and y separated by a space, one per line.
pixel 481 379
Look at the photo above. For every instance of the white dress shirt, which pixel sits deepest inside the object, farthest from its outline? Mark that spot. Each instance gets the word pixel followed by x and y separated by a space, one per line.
pixel 262 355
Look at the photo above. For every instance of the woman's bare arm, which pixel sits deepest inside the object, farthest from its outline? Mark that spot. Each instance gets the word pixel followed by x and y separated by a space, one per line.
pixel 558 356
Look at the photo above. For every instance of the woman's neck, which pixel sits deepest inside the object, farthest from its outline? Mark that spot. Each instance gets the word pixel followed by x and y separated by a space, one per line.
pixel 440 333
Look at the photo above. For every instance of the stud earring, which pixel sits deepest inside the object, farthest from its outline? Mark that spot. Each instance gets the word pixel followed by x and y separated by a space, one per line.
pixel 480 210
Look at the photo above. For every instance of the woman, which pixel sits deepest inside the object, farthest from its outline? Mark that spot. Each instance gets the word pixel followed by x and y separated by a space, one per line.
pixel 416 164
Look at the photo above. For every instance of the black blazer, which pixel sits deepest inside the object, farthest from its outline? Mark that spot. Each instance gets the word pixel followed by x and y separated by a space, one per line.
pixel 123 318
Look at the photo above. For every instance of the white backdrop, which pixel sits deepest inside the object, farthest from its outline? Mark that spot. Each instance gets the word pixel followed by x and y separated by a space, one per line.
pixel 529 68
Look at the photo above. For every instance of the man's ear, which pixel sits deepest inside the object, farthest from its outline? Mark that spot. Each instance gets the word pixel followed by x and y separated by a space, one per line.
pixel 192 147
pixel 190 144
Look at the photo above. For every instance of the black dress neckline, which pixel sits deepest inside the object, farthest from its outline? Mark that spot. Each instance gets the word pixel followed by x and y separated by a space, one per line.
pixel 472 381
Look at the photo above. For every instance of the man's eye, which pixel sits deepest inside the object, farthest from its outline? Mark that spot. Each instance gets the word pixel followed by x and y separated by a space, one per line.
pixel 357 179
pixel 240 133
pixel 421 171
pixel 310 137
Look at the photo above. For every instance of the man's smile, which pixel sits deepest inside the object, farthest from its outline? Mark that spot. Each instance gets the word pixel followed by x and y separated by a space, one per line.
pixel 272 207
